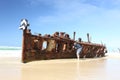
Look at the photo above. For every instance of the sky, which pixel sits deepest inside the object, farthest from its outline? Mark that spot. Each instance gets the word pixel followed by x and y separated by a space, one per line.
pixel 99 18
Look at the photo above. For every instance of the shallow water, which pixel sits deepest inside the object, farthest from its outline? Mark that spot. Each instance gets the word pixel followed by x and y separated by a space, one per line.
pixel 107 68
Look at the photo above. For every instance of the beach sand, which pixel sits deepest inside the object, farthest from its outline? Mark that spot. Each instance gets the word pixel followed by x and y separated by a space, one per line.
pixel 106 68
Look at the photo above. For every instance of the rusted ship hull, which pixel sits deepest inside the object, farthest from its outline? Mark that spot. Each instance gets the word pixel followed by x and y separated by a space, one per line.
pixel 57 46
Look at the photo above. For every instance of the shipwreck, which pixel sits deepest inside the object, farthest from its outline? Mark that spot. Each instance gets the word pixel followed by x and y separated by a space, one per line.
pixel 56 46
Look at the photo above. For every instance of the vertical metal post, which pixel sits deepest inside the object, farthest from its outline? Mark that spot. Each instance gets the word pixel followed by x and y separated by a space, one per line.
pixel 88 37
pixel 74 35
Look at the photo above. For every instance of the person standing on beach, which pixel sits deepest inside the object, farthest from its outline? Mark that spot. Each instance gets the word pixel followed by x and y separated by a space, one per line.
pixel 78 48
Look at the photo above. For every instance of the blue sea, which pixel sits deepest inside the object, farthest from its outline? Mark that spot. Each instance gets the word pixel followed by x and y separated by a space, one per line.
pixel 6 51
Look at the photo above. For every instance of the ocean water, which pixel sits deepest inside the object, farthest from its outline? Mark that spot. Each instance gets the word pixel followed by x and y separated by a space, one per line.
pixel 6 51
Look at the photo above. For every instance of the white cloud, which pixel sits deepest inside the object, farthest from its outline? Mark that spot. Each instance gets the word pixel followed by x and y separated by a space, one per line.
pixel 98 3
pixel 68 11
pixel 108 4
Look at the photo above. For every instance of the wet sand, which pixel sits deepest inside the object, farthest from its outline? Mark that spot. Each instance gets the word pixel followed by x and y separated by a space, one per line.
pixel 106 68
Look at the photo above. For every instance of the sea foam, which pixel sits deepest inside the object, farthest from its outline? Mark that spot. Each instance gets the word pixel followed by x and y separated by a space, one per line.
pixel 6 51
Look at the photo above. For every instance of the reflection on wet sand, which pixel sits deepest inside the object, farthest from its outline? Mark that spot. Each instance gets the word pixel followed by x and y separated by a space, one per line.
pixel 106 68
pixel 71 69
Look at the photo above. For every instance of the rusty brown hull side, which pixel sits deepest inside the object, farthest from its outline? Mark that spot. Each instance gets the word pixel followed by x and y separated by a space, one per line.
pixel 37 47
